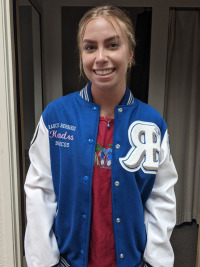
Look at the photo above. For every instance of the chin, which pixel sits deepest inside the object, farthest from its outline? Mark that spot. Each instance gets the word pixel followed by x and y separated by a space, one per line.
pixel 103 85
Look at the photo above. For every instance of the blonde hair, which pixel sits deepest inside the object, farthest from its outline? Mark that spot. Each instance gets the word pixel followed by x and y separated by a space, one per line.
pixel 109 13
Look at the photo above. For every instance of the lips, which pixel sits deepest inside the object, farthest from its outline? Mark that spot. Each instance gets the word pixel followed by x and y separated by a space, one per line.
pixel 104 72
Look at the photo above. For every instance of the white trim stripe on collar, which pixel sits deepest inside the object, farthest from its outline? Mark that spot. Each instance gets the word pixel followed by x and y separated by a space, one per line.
pixel 84 95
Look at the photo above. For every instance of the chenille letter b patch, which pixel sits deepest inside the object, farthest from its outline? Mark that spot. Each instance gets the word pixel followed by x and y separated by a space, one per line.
pixel 145 139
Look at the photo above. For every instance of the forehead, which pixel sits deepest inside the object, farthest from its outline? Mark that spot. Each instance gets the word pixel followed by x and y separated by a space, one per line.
pixel 101 27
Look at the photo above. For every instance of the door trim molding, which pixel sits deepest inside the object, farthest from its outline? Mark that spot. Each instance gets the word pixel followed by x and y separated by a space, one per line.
pixel 10 226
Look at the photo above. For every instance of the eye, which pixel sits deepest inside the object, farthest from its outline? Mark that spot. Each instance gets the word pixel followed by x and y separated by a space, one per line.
pixel 113 45
pixel 89 48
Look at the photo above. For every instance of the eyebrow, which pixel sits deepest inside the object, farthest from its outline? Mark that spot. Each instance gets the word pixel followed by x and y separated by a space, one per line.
pixel 106 40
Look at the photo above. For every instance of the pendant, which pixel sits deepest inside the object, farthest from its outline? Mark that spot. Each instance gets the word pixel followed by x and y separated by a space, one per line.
pixel 108 125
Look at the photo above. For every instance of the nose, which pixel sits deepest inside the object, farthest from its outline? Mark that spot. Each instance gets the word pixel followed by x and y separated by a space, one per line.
pixel 101 56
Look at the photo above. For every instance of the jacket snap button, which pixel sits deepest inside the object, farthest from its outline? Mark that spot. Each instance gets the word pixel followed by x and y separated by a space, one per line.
pixel 84 216
pixel 94 108
pixel 118 220
pixel 82 251
pixel 121 256
pixel 117 183
pixel 120 110
pixel 85 178
pixel 90 141
pixel 117 146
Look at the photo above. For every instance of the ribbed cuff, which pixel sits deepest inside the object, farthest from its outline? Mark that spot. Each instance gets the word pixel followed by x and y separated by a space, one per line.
pixel 147 265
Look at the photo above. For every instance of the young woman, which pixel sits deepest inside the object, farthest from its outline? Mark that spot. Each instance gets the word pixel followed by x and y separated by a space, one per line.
pixel 100 187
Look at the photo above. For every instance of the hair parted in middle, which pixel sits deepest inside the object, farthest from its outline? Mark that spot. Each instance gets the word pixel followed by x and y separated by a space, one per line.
pixel 109 13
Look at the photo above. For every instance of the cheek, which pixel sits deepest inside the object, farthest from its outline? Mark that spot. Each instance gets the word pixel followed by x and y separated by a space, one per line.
pixel 123 61
pixel 86 61
pixel 86 66
pixel 82 59
pixel 123 56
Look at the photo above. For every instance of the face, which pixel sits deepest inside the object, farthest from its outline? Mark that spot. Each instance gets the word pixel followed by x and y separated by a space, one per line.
pixel 105 54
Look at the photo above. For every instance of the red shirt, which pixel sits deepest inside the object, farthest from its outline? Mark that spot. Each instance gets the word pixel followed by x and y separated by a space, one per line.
pixel 102 247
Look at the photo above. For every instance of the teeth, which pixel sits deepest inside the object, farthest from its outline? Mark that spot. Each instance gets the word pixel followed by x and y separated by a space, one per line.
pixel 103 72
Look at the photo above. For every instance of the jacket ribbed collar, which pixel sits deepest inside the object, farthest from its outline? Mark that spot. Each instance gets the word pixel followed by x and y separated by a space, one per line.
pixel 86 94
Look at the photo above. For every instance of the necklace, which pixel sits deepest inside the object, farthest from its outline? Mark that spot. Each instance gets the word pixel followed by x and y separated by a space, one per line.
pixel 108 122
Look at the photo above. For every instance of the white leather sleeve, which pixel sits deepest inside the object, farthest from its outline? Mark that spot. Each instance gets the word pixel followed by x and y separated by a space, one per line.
pixel 160 212
pixel 41 249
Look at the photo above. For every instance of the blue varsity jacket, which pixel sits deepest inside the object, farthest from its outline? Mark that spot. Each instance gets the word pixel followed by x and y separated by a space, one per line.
pixel 59 183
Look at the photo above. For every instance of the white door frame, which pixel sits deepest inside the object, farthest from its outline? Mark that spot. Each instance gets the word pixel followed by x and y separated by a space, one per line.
pixel 10 226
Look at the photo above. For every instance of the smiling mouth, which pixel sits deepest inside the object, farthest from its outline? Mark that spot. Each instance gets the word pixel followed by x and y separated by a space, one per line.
pixel 104 72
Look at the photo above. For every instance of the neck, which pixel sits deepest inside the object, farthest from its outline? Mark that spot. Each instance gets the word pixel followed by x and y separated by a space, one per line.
pixel 108 99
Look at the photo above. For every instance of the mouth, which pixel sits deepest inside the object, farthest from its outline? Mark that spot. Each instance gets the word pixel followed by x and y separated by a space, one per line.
pixel 104 72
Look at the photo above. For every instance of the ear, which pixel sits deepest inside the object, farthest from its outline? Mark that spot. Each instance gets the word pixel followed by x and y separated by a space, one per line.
pixel 131 54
